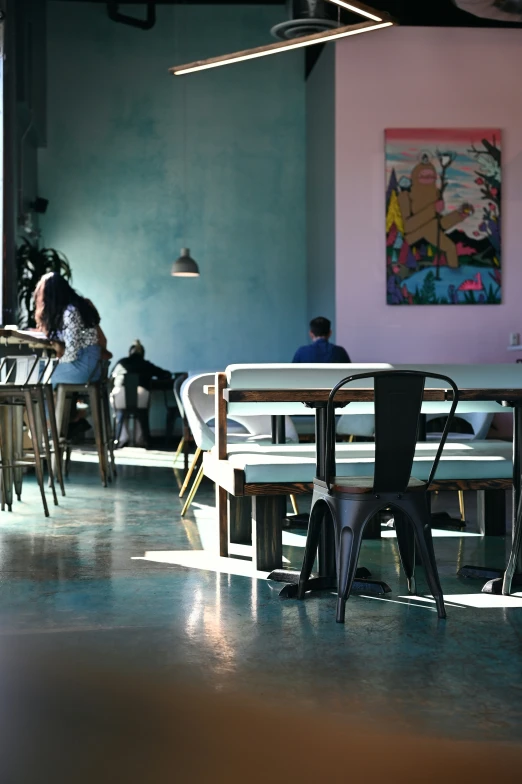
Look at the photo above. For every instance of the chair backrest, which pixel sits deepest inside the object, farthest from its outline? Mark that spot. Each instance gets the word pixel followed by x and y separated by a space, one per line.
pixel 178 381
pixel 356 425
pixel 480 423
pixel 131 383
pixel 262 426
pixel 200 409
pixel 48 369
pixel 398 401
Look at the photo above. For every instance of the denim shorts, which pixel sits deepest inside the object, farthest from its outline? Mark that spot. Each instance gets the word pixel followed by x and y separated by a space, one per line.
pixel 86 367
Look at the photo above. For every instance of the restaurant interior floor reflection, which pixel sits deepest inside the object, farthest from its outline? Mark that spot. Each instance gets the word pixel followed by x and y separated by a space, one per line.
pixel 105 573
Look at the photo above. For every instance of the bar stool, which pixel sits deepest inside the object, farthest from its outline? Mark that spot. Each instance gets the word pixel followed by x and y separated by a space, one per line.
pixel 97 393
pixel 22 382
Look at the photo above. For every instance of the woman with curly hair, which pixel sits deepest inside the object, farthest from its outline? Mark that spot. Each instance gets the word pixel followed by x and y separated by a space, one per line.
pixel 72 323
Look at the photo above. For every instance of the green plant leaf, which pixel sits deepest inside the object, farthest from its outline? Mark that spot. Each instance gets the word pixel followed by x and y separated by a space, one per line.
pixel 32 263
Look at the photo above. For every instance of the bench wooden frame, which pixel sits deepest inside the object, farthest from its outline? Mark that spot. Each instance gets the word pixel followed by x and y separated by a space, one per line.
pixel 249 512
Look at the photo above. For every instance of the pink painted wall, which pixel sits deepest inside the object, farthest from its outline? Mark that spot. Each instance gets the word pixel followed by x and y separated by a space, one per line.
pixel 421 77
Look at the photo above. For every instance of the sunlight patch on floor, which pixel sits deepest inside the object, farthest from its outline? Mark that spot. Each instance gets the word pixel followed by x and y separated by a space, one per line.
pixel 199 559
pixel 480 600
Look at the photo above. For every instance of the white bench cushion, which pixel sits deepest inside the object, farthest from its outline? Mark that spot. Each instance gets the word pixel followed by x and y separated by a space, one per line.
pixel 296 463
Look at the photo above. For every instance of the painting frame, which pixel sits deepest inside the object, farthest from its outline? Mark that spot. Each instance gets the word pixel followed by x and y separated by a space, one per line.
pixel 443 216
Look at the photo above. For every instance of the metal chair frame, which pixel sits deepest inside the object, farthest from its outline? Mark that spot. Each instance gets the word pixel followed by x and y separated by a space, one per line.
pixel 351 503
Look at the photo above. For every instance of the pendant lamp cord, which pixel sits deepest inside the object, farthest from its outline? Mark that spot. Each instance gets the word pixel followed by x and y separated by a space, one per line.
pixel 184 101
pixel 184 162
pixel 180 22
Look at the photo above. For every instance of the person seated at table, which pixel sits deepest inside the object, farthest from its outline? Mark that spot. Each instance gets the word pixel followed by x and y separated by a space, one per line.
pixel 72 323
pixel 321 350
pixel 146 371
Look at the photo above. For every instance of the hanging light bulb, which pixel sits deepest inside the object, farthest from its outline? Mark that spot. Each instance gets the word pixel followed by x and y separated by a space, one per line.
pixel 185 266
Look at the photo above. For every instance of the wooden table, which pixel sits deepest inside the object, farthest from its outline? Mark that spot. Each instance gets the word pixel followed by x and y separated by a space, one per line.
pixel 22 337
pixel 500 581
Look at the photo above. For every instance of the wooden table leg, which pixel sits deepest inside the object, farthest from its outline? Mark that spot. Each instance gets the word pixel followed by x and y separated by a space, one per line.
pixel 222 515
pixel 268 512
pixel 491 512
pixel 240 519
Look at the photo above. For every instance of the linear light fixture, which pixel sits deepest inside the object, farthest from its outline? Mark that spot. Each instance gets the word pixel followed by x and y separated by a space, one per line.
pixel 378 23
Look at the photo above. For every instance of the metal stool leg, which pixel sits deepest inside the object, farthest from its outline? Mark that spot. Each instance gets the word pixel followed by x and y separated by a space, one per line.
pixel 108 431
pixel 94 399
pixel 37 457
pixel 57 458
pixel 6 447
pixel 18 449
pixel 39 393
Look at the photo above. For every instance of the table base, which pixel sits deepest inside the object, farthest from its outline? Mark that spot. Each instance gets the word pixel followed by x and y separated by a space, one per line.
pixel 495 585
pixel 480 572
pixel 361 584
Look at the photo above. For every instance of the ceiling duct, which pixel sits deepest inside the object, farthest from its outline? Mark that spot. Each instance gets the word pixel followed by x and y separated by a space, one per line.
pixel 306 17
pixel 499 10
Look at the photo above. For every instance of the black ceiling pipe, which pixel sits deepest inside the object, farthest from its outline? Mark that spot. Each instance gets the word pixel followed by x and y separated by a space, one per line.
pixel 142 24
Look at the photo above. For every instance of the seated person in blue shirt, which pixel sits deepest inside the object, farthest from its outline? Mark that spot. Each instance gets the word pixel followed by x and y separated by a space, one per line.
pixel 321 350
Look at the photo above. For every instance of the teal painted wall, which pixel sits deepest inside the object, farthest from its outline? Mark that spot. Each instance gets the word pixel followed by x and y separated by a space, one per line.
pixel 113 172
pixel 320 187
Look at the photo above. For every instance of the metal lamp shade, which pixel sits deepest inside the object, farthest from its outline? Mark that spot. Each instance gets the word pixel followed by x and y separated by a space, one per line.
pixel 185 266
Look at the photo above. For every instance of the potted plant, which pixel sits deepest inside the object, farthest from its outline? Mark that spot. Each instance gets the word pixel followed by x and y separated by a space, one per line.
pixel 32 262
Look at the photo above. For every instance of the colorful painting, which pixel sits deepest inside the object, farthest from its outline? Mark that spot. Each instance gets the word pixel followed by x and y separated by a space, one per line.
pixel 443 204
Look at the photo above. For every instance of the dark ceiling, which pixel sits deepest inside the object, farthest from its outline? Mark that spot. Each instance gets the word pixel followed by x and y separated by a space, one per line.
pixel 430 13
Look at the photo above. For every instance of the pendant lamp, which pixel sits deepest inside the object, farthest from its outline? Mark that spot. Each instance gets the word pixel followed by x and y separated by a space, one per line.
pixel 185 266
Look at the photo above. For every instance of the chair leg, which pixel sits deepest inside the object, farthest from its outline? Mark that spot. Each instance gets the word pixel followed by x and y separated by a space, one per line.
pixel 193 491
pixel 424 542
pixel 293 501
pixel 315 522
pixel 515 551
pixel 18 449
pixel 62 423
pixel 57 460
pixel 94 400
pixel 186 445
pixel 6 446
pixel 37 457
pixel 108 433
pixel 406 545
pixel 178 450
pixel 349 545
pixel 39 394
pixel 462 506
pixel 190 472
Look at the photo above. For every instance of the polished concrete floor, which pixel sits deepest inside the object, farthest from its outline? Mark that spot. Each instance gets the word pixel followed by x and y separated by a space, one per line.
pixel 103 574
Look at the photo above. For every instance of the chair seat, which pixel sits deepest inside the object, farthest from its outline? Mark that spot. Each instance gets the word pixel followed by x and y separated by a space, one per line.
pixel 364 484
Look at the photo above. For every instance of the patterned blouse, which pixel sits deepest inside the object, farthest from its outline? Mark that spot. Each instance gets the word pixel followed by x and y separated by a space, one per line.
pixel 75 335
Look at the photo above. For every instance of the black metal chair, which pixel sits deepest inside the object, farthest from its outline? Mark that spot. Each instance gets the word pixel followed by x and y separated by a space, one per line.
pixel 351 502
